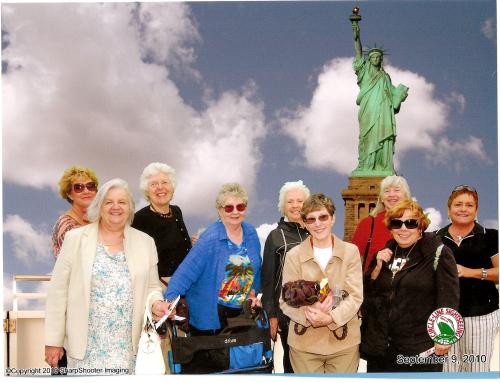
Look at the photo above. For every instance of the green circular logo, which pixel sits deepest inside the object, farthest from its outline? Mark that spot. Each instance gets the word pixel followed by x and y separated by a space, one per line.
pixel 445 326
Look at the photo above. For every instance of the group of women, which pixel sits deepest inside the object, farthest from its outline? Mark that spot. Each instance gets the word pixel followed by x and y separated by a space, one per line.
pixel 110 260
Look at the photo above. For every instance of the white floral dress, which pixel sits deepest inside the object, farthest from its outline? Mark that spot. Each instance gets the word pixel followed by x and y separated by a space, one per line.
pixel 109 342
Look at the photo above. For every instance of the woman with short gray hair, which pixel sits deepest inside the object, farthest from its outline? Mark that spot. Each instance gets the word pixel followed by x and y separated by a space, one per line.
pixel 161 220
pixel 219 274
pixel 290 232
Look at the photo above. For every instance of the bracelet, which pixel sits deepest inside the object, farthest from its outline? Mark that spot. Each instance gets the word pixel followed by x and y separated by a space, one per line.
pixel 484 274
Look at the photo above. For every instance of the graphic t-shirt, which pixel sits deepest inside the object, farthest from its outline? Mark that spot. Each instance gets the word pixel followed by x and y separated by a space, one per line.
pixel 238 277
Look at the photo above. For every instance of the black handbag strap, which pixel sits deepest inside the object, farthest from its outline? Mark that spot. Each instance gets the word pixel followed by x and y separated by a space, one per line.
pixel 369 242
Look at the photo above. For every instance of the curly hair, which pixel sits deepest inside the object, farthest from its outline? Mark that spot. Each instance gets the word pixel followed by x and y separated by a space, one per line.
pixel 69 176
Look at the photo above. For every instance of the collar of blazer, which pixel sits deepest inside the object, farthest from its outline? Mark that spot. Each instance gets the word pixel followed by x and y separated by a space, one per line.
pixel 88 250
pixel 307 252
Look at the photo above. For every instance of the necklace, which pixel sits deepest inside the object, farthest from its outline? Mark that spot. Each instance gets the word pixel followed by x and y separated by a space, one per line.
pixel 398 263
pixel 163 215
pixel 454 232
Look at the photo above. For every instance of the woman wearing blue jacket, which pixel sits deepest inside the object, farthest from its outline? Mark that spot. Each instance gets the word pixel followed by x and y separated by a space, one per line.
pixel 220 272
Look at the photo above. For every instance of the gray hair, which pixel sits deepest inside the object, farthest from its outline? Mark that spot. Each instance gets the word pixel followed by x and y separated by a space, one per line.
pixel 153 169
pixel 231 189
pixel 387 182
pixel 288 186
pixel 94 210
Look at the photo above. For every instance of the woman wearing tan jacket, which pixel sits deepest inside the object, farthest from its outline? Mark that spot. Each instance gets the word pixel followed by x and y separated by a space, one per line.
pixel 99 286
pixel 324 337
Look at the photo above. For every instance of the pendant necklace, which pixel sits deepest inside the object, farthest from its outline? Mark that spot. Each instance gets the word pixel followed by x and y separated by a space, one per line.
pixel 398 263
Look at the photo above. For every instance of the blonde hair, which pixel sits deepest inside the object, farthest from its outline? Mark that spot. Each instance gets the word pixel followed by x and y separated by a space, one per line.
pixel 72 173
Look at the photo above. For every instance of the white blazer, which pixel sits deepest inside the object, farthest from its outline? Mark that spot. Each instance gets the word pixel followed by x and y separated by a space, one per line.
pixel 68 295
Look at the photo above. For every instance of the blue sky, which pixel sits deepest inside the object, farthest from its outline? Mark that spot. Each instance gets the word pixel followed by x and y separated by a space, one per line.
pixel 255 92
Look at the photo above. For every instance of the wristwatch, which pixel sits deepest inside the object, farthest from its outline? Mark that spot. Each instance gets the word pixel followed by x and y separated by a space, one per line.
pixel 484 274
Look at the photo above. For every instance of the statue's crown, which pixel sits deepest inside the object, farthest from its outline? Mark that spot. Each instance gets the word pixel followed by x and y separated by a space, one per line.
pixel 375 49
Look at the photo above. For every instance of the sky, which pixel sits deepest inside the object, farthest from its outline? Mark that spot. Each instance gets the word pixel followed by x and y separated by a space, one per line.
pixel 253 92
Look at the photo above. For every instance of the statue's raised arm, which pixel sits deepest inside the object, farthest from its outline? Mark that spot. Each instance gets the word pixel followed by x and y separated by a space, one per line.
pixel 357 40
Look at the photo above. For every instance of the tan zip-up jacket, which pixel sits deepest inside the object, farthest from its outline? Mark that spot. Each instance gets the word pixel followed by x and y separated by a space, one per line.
pixel 343 269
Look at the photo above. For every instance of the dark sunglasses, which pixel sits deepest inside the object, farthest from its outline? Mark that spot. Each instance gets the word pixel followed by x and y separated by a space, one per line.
pixel 398 224
pixel 91 186
pixel 321 218
pixel 465 187
pixel 229 208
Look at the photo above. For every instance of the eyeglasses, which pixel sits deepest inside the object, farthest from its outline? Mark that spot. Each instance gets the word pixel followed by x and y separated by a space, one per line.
pixel 321 218
pixel 155 185
pixel 465 187
pixel 398 224
pixel 91 186
pixel 229 208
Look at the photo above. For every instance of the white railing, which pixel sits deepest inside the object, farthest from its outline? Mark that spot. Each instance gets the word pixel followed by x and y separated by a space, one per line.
pixel 28 296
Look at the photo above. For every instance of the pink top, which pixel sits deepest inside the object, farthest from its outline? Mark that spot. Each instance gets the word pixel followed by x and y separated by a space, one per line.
pixel 64 223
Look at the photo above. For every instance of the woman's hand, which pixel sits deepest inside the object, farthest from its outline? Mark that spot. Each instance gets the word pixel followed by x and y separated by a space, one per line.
pixel 326 305
pixel 255 300
pixel 317 317
pixel 53 355
pixel 273 328
pixel 441 349
pixel 160 308
pixel 384 255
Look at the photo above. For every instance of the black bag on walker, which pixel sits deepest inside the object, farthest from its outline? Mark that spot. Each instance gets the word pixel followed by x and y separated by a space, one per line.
pixel 244 345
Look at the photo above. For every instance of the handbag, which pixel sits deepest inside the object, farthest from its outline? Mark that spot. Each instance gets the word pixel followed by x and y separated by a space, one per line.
pixel 301 293
pixel 149 359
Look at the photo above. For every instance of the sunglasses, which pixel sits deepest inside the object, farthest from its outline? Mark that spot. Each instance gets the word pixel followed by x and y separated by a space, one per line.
pixel 465 187
pixel 321 218
pixel 398 224
pixel 91 186
pixel 229 208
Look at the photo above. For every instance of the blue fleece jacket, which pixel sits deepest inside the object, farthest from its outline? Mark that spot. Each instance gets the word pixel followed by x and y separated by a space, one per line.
pixel 199 277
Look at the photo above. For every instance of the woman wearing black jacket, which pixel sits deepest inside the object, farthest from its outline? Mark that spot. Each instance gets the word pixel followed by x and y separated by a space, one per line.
pixel 409 279
pixel 289 233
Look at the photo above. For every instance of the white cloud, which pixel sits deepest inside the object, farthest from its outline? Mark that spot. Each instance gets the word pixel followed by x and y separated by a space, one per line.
pixel 29 244
pixel 91 84
pixel 327 129
pixel 263 231
pixel 436 219
pixel 490 223
pixel 489 28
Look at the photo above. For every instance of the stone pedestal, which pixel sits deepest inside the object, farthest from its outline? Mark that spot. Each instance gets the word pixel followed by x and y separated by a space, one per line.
pixel 360 198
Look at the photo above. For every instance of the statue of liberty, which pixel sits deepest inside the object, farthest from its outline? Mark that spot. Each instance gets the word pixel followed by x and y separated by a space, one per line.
pixel 378 102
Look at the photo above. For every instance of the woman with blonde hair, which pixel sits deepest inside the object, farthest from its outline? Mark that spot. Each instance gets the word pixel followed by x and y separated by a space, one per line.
pixel 78 185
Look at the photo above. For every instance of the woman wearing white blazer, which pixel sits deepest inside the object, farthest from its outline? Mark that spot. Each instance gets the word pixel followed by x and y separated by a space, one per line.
pixel 99 286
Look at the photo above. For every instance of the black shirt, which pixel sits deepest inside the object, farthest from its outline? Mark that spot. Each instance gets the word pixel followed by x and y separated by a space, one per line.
pixel 170 235
pixel 477 297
